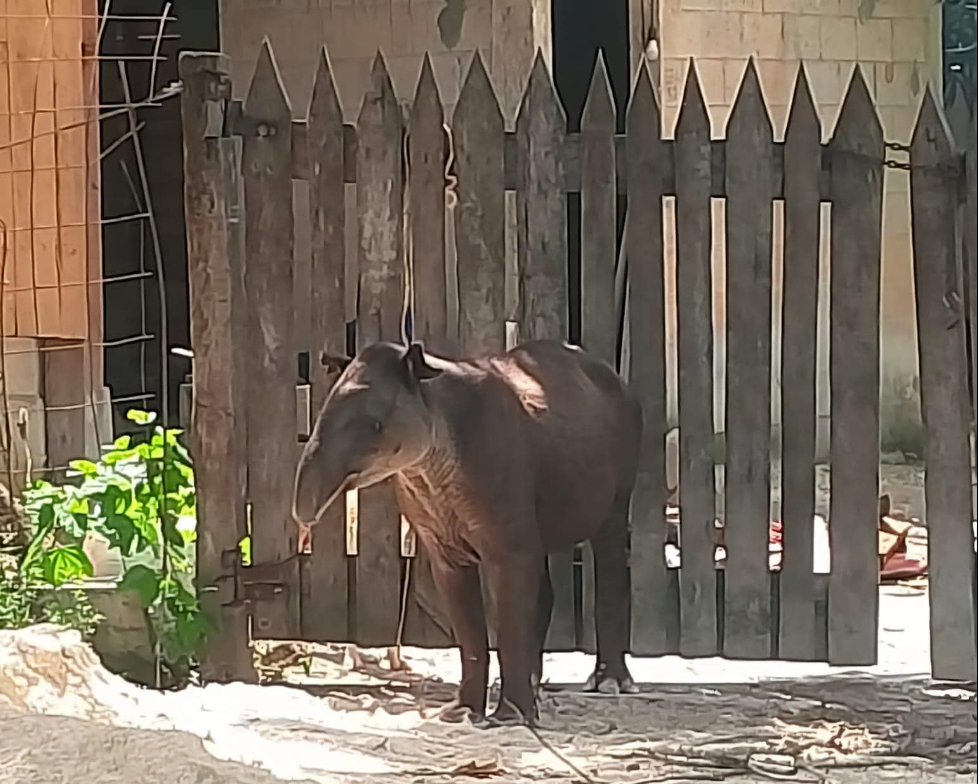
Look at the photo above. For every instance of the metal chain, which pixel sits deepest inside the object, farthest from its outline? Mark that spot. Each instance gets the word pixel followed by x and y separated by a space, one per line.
pixel 889 163
pixel 951 172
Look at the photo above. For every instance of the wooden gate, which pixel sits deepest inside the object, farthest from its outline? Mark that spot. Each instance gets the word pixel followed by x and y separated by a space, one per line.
pixel 240 161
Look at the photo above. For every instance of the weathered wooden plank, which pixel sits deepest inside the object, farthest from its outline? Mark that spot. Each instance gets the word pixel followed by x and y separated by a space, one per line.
pixel 971 237
pixel 598 194
pixel 749 188
pixel 325 587
pixel 218 419
pixel 426 618
pixel 857 201
pixel 697 494
pixel 542 256
pixel 941 328
pixel 802 168
pixel 599 333
pixel 380 204
pixel 648 161
pixel 426 150
pixel 478 133
pixel 270 366
pixel 267 168
pixel 232 157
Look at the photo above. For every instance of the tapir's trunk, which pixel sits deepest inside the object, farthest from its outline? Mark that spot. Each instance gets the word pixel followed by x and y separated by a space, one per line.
pixel 317 484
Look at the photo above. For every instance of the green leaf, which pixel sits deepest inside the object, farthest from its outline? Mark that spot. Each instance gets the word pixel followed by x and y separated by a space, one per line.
pixel 140 417
pixel 64 564
pixel 148 534
pixel 144 581
pixel 84 467
pixel 171 534
pixel 35 549
pixel 120 530
pixel 191 630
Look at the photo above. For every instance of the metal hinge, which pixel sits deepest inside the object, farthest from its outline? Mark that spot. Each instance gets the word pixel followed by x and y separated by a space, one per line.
pixel 256 583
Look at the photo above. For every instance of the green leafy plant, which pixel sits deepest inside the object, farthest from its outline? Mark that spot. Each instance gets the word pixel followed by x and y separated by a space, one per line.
pixel 24 603
pixel 140 497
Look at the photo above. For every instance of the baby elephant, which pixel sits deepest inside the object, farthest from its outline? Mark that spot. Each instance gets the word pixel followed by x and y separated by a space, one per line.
pixel 496 462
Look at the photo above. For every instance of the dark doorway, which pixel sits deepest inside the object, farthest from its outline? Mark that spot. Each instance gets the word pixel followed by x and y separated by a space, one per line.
pixel 582 28
pixel 133 318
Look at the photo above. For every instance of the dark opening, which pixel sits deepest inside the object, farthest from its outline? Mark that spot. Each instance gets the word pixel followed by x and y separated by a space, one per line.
pixel 132 306
pixel 582 28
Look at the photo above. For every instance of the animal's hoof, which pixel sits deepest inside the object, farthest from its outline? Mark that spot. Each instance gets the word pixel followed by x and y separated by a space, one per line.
pixel 628 686
pixel 602 683
pixel 505 715
pixel 616 688
pixel 456 713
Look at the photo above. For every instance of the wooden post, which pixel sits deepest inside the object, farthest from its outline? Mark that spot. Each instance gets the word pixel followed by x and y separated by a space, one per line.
pixel 802 168
pixel 857 212
pixel 218 421
pixel 599 332
pixel 272 452
pixel 427 622
pixel 426 152
pixel 943 395
pixel 971 237
pixel 654 606
pixel 542 253
pixel 325 585
pixel 380 204
pixel 478 133
pixel 750 176
pixel 697 490
pixel 477 128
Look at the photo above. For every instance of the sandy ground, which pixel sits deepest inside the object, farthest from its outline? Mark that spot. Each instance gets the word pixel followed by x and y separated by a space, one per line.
pixel 63 718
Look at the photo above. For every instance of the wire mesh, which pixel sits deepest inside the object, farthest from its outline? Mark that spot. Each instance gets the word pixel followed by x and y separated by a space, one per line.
pixel 54 135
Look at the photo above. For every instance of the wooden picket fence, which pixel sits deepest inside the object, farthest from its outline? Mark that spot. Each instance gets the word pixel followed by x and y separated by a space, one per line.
pixel 241 160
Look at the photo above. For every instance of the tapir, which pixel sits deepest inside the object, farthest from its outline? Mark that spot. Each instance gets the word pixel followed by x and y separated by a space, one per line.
pixel 496 462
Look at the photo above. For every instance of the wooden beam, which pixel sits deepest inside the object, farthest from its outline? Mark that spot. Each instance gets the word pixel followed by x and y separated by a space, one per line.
pixel 218 416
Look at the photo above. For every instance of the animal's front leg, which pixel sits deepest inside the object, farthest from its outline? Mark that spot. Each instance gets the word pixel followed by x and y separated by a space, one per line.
pixel 460 589
pixel 515 582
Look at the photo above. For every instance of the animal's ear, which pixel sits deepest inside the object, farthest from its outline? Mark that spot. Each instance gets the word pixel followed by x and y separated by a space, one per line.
pixel 417 365
pixel 333 363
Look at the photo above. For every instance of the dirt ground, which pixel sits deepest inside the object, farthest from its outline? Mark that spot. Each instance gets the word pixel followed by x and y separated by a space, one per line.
pixel 342 716
pixel 338 715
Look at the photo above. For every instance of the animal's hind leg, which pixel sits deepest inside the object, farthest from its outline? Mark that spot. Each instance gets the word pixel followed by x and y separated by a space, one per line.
pixel 545 606
pixel 613 595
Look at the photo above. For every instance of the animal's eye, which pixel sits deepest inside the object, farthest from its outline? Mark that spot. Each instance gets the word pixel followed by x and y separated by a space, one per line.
pixel 376 425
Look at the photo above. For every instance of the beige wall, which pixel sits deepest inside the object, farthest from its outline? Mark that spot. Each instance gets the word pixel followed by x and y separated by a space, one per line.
pixel 892 48
pixel 505 32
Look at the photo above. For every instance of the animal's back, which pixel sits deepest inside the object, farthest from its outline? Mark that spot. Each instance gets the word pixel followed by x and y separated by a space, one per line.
pixel 584 429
